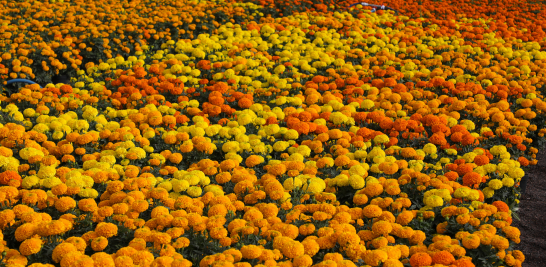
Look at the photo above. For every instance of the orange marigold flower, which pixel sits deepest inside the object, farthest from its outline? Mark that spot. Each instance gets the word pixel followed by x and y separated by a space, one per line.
pixel 303 261
pixel 408 152
pixel 64 204
pixel 463 263
pixel 375 257
pixel 500 242
pixel 420 259
pixel 463 169
pixel 61 250
pixel 471 241
pixel 404 217
pixel 501 206
pixel 251 251
pixel 30 246
pixel 245 103
pixel 443 257
pixel 418 237
pixel 451 175
pixel 253 160
pixel 342 160
pixel 388 168
pixel 372 211
pixel 7 176
pixel 106 229
pixel 123 261
pixel 335 134
pixel 382 228
pixel 87 205
pixel 471 178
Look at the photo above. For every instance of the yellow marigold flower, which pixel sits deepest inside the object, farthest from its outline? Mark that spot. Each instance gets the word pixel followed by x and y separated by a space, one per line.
pixel 381 139
pixel 495 184
pixel 291 134
pixel 356 181
pixel 367 104
pixel 316 185
pixel 338 118
pixel 508 182
pixel 46 172
pixel 434 201
pixel 30 181
pixel 194 191
pixel 516 173
pixel 462 192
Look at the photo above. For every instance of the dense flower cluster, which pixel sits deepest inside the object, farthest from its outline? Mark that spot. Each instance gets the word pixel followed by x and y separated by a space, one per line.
pixel 332 137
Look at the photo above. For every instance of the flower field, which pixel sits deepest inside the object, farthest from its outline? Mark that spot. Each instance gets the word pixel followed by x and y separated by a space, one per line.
pixel 267 133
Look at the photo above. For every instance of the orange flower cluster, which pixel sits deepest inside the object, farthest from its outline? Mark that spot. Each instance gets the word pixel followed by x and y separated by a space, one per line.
pixel 232 136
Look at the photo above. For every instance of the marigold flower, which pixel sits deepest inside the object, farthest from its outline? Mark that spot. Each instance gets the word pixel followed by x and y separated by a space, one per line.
pixel 103 259
pixel 443 257
pixel 375 257
pixel 8 175
pixel 372 211
pixel 78 242
pixel 253 160
pixel 501 206
pixel 420 259
pixel 251 251
pixel 500 243
pixel 511 232
pixel 30 246
pixel 25 231
pixel 123 261
pixel 382 228
pixel 106 229
pixel 434 201
pixel 418 237
pixel 472 178
pixel 303 261
pixel 360 199
pixel 471 241
pixel 61 250
pixel 388 168
pixel 161 238
pixel 64 204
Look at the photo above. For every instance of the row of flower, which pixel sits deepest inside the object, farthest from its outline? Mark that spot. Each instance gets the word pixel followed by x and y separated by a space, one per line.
pixel 325 138
pixel 47 40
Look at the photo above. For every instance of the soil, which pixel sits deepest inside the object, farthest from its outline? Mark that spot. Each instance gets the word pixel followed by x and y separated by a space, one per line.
pixel 532 212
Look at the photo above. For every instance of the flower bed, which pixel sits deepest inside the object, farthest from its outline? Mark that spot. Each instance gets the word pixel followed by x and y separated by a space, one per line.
pixel 241 134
